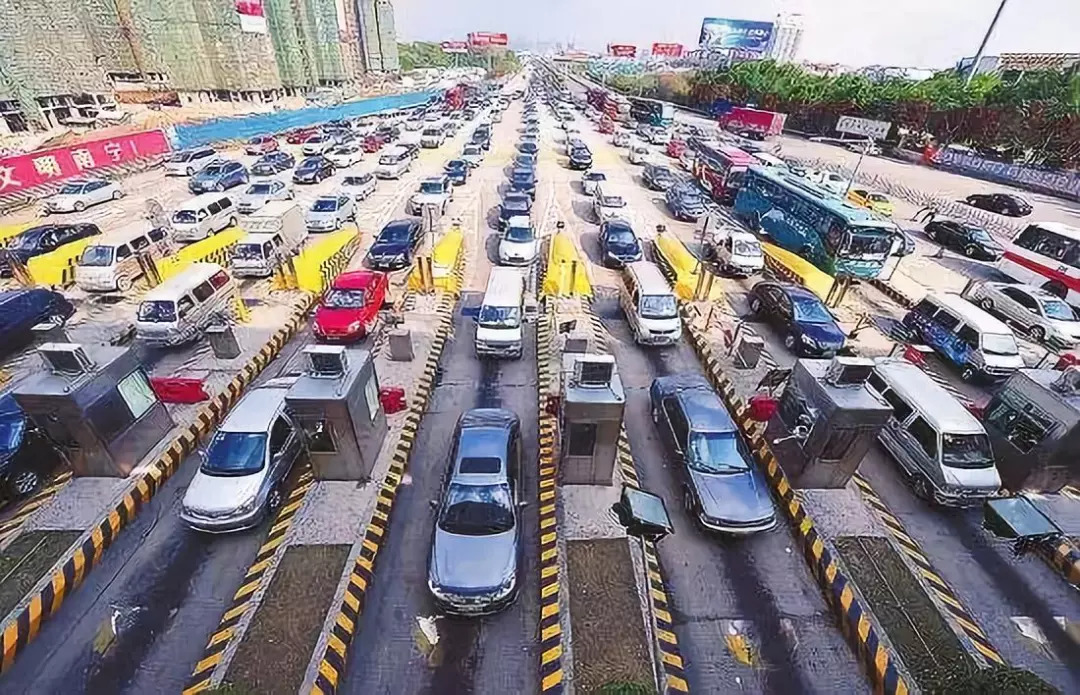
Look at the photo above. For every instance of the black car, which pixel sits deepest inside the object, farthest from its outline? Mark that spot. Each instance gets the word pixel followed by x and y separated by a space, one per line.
pixel 1001 203
pixel 45 238
pixel 523 180
pixel 458 171
pixel 393 248
pixel 273 163
pixel 388 132
pixel 21 310
pixel 313 170
pixel 26 454
pixel 528 148
pixel 657 177
pixel 971 240
pixel 524 161
pixel 808 327
pixel 685 202
pixel 618 243
pixel 580 158
pixel 514 204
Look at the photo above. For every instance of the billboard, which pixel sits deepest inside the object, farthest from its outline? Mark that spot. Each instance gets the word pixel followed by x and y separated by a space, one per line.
pixel 483 39
pixel 863 126
pixel 23 171
pixel 735 33
pixel 621 50
pixel 252 17
pixel 454 46
pixel 671 50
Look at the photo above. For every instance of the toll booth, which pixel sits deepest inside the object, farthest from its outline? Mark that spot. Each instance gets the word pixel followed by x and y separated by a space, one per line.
pixel 590 418
pixel 826 421
pixel 1033 423
pixel 96 404
pixel 336 401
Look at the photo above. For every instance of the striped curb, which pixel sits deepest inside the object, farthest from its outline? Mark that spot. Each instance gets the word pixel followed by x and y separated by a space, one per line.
pixel 892 293
pixel 253 581
pixel 1065 558
pixel 961 619
pixel 46 601
pixel 551 651
pixel 335 656
pixel 9 528
pixel 879 661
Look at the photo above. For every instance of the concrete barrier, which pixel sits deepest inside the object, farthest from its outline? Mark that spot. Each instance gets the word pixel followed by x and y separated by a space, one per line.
pixel 57 268
pixel 566 274
pixel 320 261
pixel 214 249
pixel 684 269
pixel 794 268
pixel 445 261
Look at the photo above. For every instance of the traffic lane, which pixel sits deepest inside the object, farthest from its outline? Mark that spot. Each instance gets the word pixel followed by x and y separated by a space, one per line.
pixel 487 654
pixel 749 615
pixel 993 585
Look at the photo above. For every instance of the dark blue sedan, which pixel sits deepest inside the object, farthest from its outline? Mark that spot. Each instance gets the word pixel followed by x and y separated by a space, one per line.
pixel 218 176
pixel 809 329
pixel 457 170
pixel 528 148
pixel 685 202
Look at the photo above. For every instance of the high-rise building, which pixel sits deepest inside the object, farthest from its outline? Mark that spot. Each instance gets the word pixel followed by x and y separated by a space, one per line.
pixel 384 15
pixel 786 37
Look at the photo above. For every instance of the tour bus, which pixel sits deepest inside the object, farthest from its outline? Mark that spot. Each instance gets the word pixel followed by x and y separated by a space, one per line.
pixel 836 236
pixel 1046 255
pixel 720 170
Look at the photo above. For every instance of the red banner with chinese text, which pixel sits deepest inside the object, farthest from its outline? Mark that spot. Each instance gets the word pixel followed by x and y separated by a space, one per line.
pixel 671 50
pixel 23 171
pixel 621 50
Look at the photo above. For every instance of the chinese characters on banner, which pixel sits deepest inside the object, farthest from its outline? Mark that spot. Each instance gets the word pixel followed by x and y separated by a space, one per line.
pixel 454 46
pixel 483 39
pixel 621 50
pixel 670 50
pixel 19 172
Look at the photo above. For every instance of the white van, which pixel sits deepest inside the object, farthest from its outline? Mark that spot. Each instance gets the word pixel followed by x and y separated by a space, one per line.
pixel 649 305
pixel 202 216
pixel 394 163
pixel 111 263
pixel 499 322
pixel 940 446
pixel 179 309
pixel 275 233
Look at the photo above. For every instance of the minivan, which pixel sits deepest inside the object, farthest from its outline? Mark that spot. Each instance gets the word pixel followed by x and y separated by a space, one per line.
pixel 943 450
pixel 186 163
pixel 111 262
pixel 499 321
pixel 179 309
pixel 978 344
pixel 394 163
pixel 649 304
pixel 202 216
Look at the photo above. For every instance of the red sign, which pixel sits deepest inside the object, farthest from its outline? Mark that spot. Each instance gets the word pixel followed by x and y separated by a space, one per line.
pixel 454 46
pixel 621 50
pixel 24 171
pixel 671 50
pixel 483 39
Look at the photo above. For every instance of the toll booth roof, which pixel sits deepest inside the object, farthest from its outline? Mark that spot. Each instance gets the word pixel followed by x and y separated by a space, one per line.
pixel 309 387
pixel 1046 378
pixel 612 393
pixel 850 398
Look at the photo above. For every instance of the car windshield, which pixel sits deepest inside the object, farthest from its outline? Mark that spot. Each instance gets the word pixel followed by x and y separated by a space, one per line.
pixel 519 234
pixel 355 180
pixel 184 217
pixel 394 234
pixel 262 168
pixel 235 453
pixel 180 157
pixel 658 306
pixel 324 205
pixel 431 188
pixel 499 316
pixel 477 510
pixel 999 344
pixel 247 252
pixel 308 165
pixel 157 311
pixel 344 299
pixel 618 236
pixel 810 310
pixel 212 170
pixel 1057 309
pixel 97 256
pixel 716 452
pixel 455 165
pixel 260 189
pixel 612 201
pixel 515 204
pixel 72 189
pixel 471 150
pixel 746 248
pixel 979 234
pixel 597 176
pixel 11 432
pixel 966 451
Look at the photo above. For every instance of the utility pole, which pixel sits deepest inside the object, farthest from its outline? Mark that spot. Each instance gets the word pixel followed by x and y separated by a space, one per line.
pixel 982 46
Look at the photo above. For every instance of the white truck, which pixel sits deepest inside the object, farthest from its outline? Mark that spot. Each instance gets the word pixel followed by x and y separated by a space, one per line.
pixel 274 233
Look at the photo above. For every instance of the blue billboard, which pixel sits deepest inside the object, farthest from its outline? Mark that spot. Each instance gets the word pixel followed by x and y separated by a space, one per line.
pixel 735 33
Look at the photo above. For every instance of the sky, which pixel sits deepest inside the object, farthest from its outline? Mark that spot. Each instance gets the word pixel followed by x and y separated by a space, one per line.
pixel 909 33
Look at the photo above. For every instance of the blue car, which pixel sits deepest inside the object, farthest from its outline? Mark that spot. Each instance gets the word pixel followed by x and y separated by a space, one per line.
pixel 528 148
pixel 21 310
pixel 26 455
pixel 457 170
pixel 809 329
pixel 685 202
pixel 523 181
pixel 513 205
pixel 273 163
pixel 218 176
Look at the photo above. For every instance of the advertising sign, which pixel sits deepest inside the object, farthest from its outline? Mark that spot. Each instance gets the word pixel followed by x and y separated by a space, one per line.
pixel 735 33
pixel 454 46
pixel 671 50
pixel 483 39
pixel 863 126
pixel 621 50
pixel 252 17
pixel 23 171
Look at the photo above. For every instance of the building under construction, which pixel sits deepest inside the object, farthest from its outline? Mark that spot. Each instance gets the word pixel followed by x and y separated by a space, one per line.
pixel 59 58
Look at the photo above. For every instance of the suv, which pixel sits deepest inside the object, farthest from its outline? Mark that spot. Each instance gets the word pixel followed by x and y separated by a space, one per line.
pixel 722 489
pixel 476 545
pixel 1045 317
pixel 435 190
pixel 217 176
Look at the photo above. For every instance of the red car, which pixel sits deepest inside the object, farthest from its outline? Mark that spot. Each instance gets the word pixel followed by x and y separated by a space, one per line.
pixel 373 142
pixel 607 126
pixel 675 148
pixel 351 306
pixel 260 144
pixel 297 136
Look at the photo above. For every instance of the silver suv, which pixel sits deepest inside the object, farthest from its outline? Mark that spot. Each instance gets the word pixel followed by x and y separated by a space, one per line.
pixel 1045 317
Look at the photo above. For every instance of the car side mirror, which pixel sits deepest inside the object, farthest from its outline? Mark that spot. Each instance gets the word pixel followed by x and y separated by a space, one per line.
pixel 434 504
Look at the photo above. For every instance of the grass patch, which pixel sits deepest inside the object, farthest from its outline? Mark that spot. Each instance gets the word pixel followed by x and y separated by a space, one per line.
pixel 27 560
pixel 626 688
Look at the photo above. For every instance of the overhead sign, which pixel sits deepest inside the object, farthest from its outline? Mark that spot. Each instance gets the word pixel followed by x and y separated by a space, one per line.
pixel 483 39
pixel 621 50
pixel 671 50
pixel 735 33
pixel 252 17
pixel 863 126
pixel 454 46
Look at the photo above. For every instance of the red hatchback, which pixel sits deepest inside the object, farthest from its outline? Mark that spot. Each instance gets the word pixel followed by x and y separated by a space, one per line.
pixel 373 142
pixel 675 148
pixel 351 306
pixel 297 136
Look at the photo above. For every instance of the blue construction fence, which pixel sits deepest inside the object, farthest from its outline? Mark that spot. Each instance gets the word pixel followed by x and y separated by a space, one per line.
pixel 189 135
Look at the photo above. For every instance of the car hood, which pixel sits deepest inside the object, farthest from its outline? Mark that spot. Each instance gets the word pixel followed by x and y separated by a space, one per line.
pixel 322 215
pixel 734 497
pixel 211 495
pixel 422 198
pixel 206 179
pixel 64 198
pixel 472 563
pixel 823 333
pixel 973 478
pixel 256 200
pixel 305 173
pixel 336 319
pixel 1069 328
pixel 388 248
pixel 624 250
pixel 516 249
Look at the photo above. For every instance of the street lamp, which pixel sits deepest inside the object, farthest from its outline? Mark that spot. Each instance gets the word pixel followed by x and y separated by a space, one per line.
pixel 982 46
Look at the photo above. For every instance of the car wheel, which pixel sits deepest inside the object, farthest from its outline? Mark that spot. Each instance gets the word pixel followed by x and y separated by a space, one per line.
pixel 970 251
pixel 789 342
pixel 124 283
pixel 79 206
pixel 986 303
pixel 190 171
pixel 755 305
pixel 968 374
pixel 24 482
pixel 220 188
pixel 274 499
pixel 1037 333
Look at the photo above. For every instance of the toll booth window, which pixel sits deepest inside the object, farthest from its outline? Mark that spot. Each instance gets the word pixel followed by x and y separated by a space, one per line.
pixel 320 437
pixel 371 394
pixel 137 394
pixel 1025 429
pixel 840 442
pixel 582 437
pixel 110 416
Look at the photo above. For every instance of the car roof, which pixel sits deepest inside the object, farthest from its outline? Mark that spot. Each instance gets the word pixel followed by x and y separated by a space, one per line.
pixel 191 276
pixel 256 410
pixel 704 410
pixel 919 388
pixel 969 313
pixel 796 291
pixel 1036 292
pixel 406 222
pixel 356 280
pixel 618 223
pixel 520 221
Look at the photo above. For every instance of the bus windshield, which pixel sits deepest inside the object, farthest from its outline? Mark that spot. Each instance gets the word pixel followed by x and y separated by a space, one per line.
pixel 867 243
